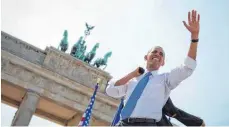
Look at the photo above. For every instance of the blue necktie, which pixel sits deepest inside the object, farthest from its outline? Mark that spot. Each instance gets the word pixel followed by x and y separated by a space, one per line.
pixel 132 101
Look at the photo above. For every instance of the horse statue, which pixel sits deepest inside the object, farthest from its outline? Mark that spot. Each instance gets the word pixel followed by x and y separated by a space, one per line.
pixel 91 54
pixel 82 56
pixel 64 42
pixel 81 50
pixel 76 46
pixel 102 61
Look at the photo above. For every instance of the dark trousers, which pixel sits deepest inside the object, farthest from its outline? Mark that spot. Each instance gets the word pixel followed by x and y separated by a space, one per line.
pixel 187 119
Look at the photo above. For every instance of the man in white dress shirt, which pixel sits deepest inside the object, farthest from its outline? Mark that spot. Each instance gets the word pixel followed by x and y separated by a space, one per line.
pixel 145 107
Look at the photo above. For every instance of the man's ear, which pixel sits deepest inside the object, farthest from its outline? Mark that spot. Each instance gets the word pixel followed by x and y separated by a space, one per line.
pixel 163 62
pixel 145 57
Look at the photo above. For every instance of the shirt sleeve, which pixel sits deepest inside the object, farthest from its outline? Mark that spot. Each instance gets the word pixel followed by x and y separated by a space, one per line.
pixel 116 91
pixel 177 75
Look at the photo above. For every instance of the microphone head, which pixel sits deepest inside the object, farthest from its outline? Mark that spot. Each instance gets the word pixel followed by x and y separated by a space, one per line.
pixel 141 70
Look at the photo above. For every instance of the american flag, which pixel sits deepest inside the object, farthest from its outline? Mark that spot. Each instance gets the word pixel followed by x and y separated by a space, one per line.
pixel 87 114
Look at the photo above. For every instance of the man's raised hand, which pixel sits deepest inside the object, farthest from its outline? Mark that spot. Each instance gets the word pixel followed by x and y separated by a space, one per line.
pixel 193 24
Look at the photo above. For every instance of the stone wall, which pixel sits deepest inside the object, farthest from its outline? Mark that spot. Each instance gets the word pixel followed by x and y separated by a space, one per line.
pixel 74 69
pixel 22 49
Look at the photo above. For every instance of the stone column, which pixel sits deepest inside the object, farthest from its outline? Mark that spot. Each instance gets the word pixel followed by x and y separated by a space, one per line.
pixel 26 109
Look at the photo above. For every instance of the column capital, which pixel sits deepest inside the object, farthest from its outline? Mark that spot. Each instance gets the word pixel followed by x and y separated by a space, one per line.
pixel 32 92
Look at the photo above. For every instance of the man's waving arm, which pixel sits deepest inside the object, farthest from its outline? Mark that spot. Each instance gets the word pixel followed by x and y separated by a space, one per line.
pixel 177 75
pixel 194 28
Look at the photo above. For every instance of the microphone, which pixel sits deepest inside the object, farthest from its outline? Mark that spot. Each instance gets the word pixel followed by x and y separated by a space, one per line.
pixel 141 70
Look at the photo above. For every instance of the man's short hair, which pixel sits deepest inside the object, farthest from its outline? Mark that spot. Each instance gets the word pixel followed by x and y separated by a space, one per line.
pixel 157 47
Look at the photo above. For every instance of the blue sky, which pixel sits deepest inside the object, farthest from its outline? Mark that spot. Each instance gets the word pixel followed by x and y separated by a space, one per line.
pixel 129 28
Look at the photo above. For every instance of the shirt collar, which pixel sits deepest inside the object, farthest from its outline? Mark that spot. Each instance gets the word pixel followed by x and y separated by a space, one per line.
pixel 152 72
pixel 146 71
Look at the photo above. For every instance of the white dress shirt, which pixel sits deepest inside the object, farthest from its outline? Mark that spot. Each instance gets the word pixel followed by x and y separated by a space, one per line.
pixel 156 92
